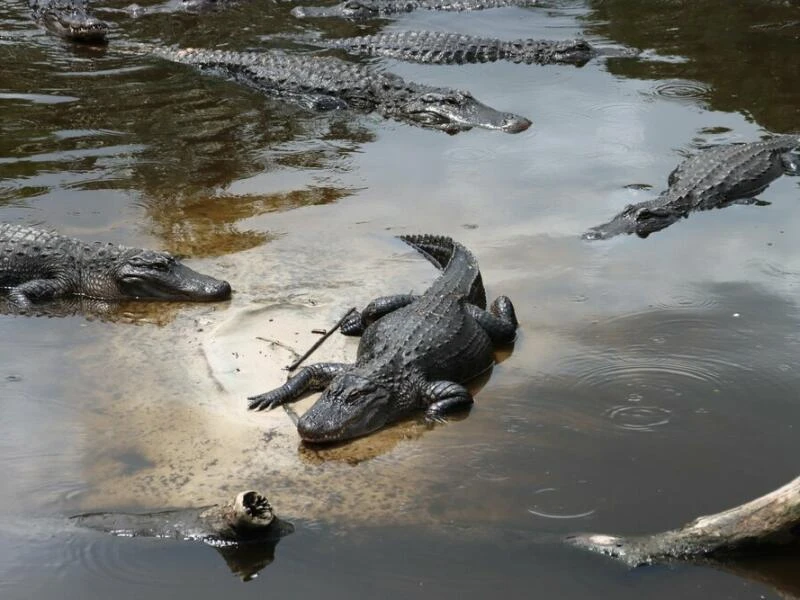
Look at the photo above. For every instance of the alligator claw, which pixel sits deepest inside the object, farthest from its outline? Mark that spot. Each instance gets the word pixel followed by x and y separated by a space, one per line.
pixel 263 402
pixel 432 419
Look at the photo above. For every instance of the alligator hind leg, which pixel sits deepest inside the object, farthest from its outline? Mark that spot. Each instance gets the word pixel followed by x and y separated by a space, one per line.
pixel 312 378
pixel 444 397
pixel 499 322
pixel 23 295
pixel 357 322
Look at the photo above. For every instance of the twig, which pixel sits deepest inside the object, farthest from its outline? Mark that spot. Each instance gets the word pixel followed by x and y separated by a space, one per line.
pixel 319 342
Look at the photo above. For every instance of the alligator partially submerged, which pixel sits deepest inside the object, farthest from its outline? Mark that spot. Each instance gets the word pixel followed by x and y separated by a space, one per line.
pixel 416 352
pixel 37 264
pixel 326 83
pixel 716 177
pixel 245 531
pixel 449 48
pixel 365 9
pixel 70 19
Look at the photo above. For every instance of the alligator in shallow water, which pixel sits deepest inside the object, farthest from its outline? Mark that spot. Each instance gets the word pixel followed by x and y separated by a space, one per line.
pixel 326 83
pixel 365 9
pixel 244 531
pixel 70 19
pixel 37 264
pixel 415 352
pixel 447 48
pixel 716 177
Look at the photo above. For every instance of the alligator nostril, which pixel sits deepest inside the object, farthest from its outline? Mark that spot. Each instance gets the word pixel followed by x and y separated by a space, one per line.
pixel 516 124
pixel 223 291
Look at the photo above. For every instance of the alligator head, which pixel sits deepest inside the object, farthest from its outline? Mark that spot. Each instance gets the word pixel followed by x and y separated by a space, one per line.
pixel 349 9
pixel 350 407
pixel 453 111
pixel 636 218
pixel 146 274
pixel 75 24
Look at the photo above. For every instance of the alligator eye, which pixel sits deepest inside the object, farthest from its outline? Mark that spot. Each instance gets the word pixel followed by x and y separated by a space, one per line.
pixel 431 98
pixel 352 5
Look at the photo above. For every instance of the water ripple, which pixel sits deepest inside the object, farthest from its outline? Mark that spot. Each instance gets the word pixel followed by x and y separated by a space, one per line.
pixel 114 559
pixel 639 418
pixel 681 90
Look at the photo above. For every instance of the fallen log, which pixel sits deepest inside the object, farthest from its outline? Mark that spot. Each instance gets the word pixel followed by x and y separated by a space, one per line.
pixel 757 527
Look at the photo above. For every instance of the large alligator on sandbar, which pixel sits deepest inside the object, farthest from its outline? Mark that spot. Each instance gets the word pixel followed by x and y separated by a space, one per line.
pixel 436 47
pixel 70 19
pixel 365 9
pixel 37 264
pixel 244 531
pixel 416 352
pixel 327 83
pixel 715 178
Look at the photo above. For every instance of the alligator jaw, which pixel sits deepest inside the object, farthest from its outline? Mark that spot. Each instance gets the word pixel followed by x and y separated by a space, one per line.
pixel 352 406
pixel 453 111
pixel 152 275
pixel 77 26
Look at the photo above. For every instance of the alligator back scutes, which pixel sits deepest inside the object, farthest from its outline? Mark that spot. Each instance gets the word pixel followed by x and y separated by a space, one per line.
pixel 441 251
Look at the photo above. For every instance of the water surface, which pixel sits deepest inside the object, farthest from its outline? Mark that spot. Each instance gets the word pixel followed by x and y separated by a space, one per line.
pixel 652 381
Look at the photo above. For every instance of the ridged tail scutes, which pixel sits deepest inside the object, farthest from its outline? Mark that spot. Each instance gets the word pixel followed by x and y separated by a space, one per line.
pixel 440 251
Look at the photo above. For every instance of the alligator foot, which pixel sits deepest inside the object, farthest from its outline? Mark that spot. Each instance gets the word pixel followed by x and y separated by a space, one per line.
pixel 444 397
pixel 499 322
pixel 309 379
pixel 356 323
pixel 255 506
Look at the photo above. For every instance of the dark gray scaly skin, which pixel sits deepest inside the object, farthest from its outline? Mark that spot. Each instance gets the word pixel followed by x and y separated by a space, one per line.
pixel 37 264
pixel 365 9
pixel 325 83
pixel 436 47
pixel 714 178
pixel 244 531
pixel 70 19
pixel 416 352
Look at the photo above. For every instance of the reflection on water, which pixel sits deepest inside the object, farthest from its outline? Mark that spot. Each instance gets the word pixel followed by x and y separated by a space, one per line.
pixel 651 382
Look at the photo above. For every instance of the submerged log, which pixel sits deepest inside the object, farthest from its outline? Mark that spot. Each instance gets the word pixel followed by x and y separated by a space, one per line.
pixel 757 527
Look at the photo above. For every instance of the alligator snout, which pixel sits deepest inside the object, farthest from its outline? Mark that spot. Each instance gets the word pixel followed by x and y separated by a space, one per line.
pixel 515 123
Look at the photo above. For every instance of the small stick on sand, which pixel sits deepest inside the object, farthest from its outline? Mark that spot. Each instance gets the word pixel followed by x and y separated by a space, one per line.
pixel 319 342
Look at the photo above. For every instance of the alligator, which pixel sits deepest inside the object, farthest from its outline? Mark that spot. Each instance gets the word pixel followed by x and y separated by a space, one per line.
pixel 244 531
pixel 70 19
pixel 327 83
pixel 416 352
pixel 37 264
pixel 365 9
pixel 448 48
pixel 715 178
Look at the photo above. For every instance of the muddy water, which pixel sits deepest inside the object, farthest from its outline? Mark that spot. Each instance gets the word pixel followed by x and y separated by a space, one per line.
pixel 652 380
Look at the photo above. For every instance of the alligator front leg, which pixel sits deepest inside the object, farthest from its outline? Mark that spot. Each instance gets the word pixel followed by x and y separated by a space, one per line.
pixel 23 295
pixel 357 322
pixel 499 322
pixel 443 397
pixel 312 378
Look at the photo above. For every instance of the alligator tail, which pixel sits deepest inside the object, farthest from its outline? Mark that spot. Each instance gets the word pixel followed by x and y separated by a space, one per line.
pixel 439 250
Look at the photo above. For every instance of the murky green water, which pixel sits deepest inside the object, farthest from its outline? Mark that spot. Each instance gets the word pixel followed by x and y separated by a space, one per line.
pixel 653 380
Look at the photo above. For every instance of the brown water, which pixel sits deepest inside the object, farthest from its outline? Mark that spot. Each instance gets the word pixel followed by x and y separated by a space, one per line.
pixel 653 380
